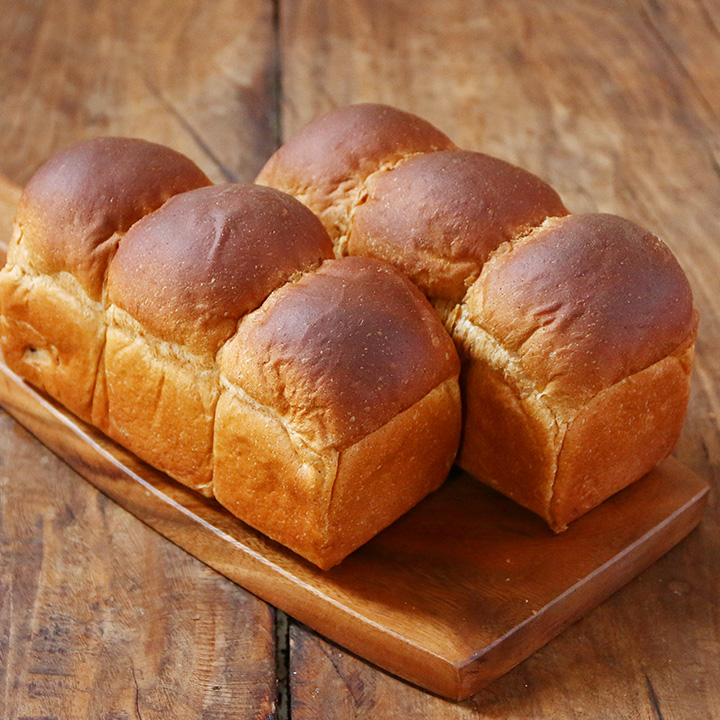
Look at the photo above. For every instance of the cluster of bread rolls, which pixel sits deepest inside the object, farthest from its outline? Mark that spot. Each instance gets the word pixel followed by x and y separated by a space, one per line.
pixel 210 331
pixel 576 332
pixel 224 335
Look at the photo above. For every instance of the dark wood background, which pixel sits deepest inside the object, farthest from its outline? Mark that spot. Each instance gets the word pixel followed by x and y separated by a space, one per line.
pixel 616 104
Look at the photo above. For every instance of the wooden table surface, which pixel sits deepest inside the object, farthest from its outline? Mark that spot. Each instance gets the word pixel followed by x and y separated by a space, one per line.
pixel 616 104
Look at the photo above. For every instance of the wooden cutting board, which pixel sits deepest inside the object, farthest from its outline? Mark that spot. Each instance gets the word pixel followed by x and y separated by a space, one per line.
pixel 450 597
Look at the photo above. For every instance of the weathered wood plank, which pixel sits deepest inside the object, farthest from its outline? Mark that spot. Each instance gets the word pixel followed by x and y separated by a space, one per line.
pixel 99 616
pixel 197 76
pixel 616 104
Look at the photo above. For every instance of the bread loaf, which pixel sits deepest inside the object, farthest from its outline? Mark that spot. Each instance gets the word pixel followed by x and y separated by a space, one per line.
pixel 180 282
pixel 339 408
pixel 576 332
pixel 213 334
pixel 71 216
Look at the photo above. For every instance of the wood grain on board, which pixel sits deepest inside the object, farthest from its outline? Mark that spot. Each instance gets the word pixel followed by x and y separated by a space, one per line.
pixel 617 105
pixel 100 617
pixel 198 76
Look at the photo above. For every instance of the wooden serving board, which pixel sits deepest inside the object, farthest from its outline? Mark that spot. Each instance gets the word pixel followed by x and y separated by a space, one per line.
pixel 450 597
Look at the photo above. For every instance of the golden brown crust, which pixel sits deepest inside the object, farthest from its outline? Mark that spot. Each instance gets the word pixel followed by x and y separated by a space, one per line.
pixel 78 202
pixel 50 334
pixel 329 158
pixel 386 473
pixel 342 351
pixel 179 283
pixel 438 216
pixel 191 269
pixel 137 356
pixel 509 441
pixel 71 216
pixel 323 505
pixel 577 337
pixel 584 302
pixel 573 386
pixel 561 315
pixel 561 468
pixel 348 143
pixel 620 435
pixel 267 476
pixel 160 401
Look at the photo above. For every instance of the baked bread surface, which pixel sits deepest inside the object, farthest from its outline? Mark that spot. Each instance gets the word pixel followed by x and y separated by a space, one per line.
pixel 332 434
pixel 580 336
pixel 576 332
pixel 209 330
pixel 180 282
pixel 326 164
pixel 394 350
pixel 72 214
pixel 77 204
pixel 438 216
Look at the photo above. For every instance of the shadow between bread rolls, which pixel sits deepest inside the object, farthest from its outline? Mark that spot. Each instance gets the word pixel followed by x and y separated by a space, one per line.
pixel 576 332
pixel 209 330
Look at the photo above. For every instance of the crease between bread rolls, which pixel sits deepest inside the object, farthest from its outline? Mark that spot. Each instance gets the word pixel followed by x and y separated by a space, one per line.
pixel 338 408
pixel 552 313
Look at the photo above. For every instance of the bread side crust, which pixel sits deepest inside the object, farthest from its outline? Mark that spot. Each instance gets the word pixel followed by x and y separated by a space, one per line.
pixel 388 472
pixel 511 436
pixel 52 334
pixel 561 464
pixel 620 435
pixel 161 401
pixel 268 476
pixel 316 501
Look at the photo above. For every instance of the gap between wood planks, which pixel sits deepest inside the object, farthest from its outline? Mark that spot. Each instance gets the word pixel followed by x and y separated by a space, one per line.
pixel 282 622
pixel 282 665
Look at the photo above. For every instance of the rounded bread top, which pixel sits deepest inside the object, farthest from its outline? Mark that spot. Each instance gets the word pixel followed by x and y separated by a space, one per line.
pixel 191 269
pixel 340 149
pixel 83 196
pixel 584 302
pixel 439 216
pixel 341 352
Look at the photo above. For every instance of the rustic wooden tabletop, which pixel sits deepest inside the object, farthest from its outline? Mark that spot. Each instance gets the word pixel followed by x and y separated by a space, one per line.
pixel 616 104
